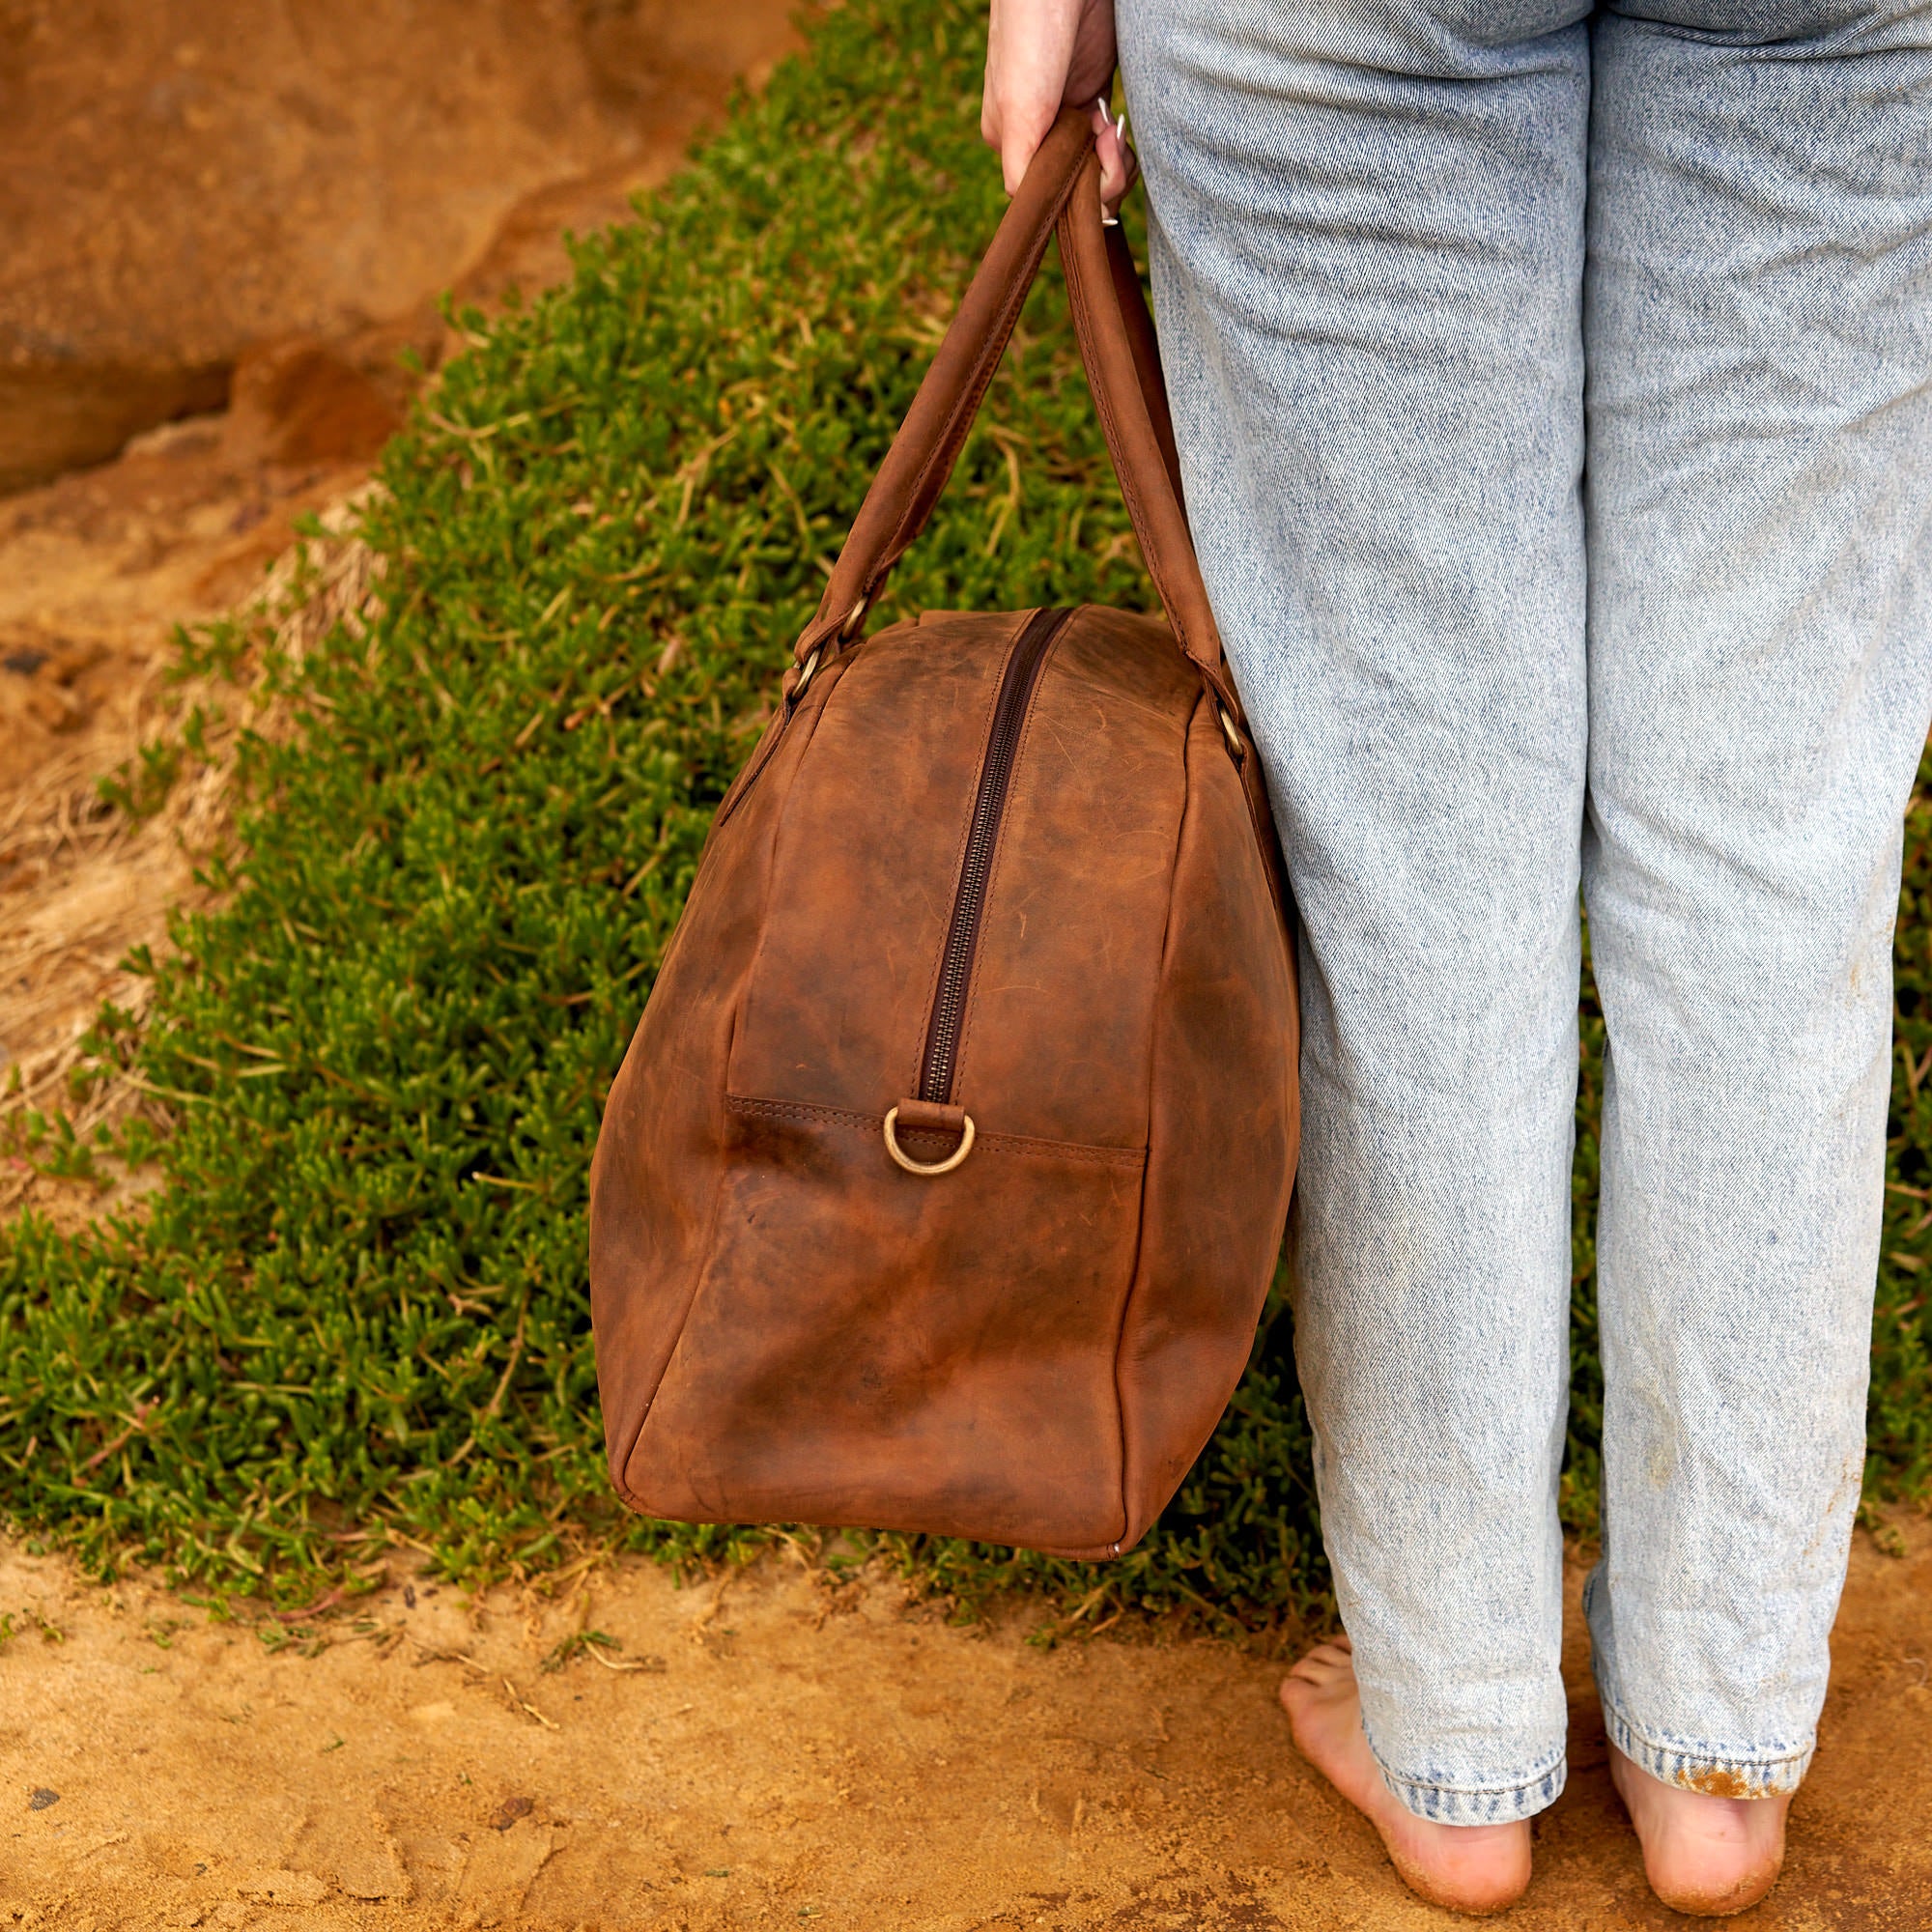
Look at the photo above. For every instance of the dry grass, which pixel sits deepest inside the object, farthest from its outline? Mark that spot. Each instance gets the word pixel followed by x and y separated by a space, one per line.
pixel 91 880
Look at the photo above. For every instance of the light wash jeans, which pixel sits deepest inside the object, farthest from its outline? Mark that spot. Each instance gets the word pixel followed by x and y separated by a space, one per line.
pixel 1555 397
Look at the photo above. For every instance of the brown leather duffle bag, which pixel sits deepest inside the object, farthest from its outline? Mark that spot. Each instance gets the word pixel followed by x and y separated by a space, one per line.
pixel 943 1183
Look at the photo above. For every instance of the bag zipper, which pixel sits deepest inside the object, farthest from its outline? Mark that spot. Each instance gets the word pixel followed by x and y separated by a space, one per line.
pixel 1018 683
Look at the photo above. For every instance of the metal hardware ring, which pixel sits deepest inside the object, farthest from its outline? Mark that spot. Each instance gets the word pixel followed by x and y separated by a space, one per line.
pixel 911 1166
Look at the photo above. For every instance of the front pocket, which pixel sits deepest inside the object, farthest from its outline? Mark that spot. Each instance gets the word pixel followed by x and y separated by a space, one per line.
pixel 866 1348
pixel 866 869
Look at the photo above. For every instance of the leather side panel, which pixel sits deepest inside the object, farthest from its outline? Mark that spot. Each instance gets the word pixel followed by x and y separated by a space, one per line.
pixel 866 868
pixel 872 1347
pixel 1225 1130
pixel 1060 1021
pixel 1131 657
pixel 660 1156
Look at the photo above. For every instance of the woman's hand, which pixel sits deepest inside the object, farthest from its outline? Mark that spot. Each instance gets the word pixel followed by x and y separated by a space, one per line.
pixel 1042 55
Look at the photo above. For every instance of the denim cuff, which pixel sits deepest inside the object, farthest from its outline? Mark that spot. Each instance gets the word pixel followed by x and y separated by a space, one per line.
pixel 1478 1803
pixel 1697 1767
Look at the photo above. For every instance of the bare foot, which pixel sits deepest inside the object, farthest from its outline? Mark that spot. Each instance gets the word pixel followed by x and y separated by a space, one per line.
pixel 1707 1855
pixel 1473 1869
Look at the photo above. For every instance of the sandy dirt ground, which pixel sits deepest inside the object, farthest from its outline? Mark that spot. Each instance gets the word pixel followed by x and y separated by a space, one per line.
pixel 783 1749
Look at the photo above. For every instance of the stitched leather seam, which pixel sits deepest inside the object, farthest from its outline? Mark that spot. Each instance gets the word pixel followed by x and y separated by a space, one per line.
pixel 1154 1079
pixel 808 717
pixel 1113 431
pixel 783 725
pixel 1215 675
pixel 705 1251
pixel 1182 577
pixel 872 1123
pixel 707 1248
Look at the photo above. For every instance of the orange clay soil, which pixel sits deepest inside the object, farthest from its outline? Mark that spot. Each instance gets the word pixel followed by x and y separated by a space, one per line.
pixel 183 183
pixel 777 1751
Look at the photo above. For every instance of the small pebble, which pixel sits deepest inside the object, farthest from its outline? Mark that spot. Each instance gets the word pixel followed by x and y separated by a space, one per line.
pixel 42 1798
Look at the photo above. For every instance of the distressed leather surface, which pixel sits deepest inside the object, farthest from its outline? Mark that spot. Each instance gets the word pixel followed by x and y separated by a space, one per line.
pixel 869 852
pixel 656 1176
pixel 1033 1347
pixel 866 1346
pixel 1061 1020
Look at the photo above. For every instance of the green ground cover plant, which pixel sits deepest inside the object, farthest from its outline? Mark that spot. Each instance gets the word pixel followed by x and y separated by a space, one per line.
pixel 356 1309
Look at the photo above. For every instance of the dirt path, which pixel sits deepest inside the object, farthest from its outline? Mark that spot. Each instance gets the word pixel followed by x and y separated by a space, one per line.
pixel 787 1753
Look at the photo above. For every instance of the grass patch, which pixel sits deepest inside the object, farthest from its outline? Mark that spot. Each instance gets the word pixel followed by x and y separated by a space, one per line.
pixel 356 1310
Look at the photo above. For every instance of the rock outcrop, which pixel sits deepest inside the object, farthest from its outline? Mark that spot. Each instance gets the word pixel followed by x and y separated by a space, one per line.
pixel 183 182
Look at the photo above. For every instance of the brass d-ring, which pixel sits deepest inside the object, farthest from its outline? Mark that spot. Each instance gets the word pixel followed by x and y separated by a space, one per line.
pixel 911 1166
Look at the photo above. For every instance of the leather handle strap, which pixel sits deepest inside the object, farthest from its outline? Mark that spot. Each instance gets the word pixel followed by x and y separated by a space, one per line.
pixel 929 442
pixel 1118 348
pixel 1146 348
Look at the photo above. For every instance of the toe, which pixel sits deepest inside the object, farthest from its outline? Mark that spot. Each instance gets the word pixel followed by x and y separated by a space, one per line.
pixel 1296 1691
pixel 1315 1669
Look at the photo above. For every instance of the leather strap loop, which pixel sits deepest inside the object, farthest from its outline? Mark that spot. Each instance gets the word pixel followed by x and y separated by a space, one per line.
pixel 1118 349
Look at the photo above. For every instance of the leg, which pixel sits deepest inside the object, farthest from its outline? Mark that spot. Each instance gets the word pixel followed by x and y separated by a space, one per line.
pixel 1368 258
pixel 1759 339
